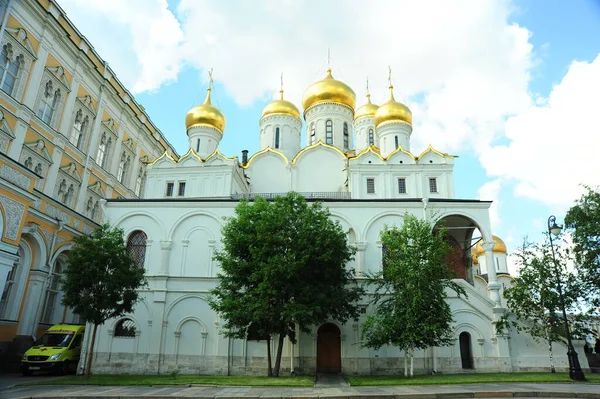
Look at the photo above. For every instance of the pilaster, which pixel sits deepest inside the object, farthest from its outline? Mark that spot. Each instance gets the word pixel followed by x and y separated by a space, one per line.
pixel 493 285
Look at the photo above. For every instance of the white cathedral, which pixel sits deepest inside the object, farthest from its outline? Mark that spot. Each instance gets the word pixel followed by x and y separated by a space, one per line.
pixel 359 163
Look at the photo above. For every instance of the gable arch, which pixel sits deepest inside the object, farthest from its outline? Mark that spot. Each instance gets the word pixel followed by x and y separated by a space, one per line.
pixel 378 216
pixel 180 299
pixel 191 318
pixel 191 214
pixel 156 225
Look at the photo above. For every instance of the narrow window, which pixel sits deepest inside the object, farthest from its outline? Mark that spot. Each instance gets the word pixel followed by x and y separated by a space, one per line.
pixel 313 135
pixel 51 302
pixel 370 186
pixel 121 170
pixel 329 131
pixel 276 137
pixel 48 103
pixel 8 287
pixel 138 182
pixel 396 141
pixel 181 191
pixel 371 137
pixel 497 264
pixel 8 70
pixel 38 169
pixel 29 163
pixel 401 185
pixel 77 130
pixel 101 150
pixel 198 145
pixel 346 136
pixel 170 187
pixel 433 185
pixel 136 247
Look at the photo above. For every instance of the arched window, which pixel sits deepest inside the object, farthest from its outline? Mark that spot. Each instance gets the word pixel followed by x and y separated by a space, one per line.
pixel 138 182
pixel 38 169
pixel 8 290
pixel 371 137
pixel 329 131
pixel 69 195
pixel 125 328
pixel 62 191
pixel 9 70
pixel 76 132
pixel 466 354
pixel 48 103
pixel 29 163
pixel 313 134
pixel 121 170
pixel 198 145
pixel 89 206
pixel 101 150
pixel 95 210
pixel 346 136
pixel 277 137
pixel 396 142
pixel 52 308
pixel 136 247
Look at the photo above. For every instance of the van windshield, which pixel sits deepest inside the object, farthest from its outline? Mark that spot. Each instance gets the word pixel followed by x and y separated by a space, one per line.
pixel 61 340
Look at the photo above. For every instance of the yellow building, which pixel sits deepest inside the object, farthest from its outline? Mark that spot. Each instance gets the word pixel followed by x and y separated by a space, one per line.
pixel 70 135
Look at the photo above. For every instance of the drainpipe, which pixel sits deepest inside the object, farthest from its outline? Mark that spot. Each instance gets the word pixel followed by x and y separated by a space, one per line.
pixel 38 316
pixel 5 20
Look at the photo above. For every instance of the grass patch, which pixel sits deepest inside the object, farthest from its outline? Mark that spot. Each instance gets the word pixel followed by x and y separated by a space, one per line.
pixel 479 378
pixel 301 381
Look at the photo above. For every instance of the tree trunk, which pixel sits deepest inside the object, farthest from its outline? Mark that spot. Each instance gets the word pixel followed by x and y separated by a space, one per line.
pixel 88 368
pixel 551 357
pixel 405 363
pixel 412 362
pixel 279 351
pixel 270 371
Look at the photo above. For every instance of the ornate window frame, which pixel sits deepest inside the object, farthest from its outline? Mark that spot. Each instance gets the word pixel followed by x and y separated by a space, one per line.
pixel 6 134
pixel 71 178
pixel 108 131
pixel 35 156
pixel 55 76
pixel 19 45
pixel 92 202
pixel 84 113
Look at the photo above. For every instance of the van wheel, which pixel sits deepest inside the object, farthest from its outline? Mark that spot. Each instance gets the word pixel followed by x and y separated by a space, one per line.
pixel 65 368
pixel 27 373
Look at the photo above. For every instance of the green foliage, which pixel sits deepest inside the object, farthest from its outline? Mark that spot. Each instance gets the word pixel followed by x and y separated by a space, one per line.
pixel 173 374
pixel 102 279
pixel 533 298
pixel 410 308
pixel 283 266
pixel 583 220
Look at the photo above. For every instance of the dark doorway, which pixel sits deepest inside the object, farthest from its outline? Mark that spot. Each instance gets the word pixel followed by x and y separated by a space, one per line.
pixel 329 352
pixel 466 355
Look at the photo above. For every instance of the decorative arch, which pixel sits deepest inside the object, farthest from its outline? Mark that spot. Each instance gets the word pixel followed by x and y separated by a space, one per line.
pixel 186 216
pixel 266 151
pixel 376 217
pixel 191 318
pixel 345 219
pixel 157 222
pixel 485 232
pixel 176 301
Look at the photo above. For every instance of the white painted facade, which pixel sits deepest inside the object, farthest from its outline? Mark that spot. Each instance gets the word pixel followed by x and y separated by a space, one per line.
pixel 364 190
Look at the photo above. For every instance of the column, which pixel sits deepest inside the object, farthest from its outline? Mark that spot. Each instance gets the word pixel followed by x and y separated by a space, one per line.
pixel 85 177
pixel 116 155
pixel 35 78
pixel 51 176
pixel 16 144
pixel 33 303
pixel 360 258
pixel 165 252
pixel 493 285
pixel 65 123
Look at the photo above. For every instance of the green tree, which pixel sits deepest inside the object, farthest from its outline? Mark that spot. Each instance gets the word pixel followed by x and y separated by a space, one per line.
pixel 583 220
pixel 410 307
pixel 533 298
pixel 283 266
pixel 101 280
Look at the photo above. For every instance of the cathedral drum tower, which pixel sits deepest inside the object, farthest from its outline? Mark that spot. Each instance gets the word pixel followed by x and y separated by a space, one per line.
pixel 364 125
pixel 393 121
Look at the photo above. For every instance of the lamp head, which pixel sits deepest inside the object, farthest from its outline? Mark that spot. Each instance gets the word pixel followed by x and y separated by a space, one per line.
pixel 554 228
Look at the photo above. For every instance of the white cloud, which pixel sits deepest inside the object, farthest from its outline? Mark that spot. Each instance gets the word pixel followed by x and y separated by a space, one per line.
pixel 553 144
pixel 467 66
pixel 490 191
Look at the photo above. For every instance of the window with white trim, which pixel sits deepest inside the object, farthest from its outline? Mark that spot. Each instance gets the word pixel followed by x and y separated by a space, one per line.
pixel 9 69
pixel 371 137
pixel 433 188
pixel 276 137
pixel 313 134
pixel 396 142
pixel 138 182
pixel 124 164
pixel 170 187
pixel 103 150
pixel 52 308
pixel 49 102
pixel 7 294
pixel 136 247
pixel 329 131
pixel 181 191
pixel 401 185
pixel 346 136
pixel 197 145
pixel 80 125
pixel 370 185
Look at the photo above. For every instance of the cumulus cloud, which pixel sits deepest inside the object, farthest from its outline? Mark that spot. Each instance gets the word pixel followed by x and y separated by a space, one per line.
pixel 490 191
pixel 553 144
pixel 461 66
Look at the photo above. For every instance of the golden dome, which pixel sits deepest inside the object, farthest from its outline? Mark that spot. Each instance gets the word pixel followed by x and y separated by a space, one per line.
pixel 366 110
pixel 281 106
pixel 499 247
pixel 329 90
pixel 205 115
pixel 392 110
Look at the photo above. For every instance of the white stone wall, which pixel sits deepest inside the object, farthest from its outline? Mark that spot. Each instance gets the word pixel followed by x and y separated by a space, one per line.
pixel 289 133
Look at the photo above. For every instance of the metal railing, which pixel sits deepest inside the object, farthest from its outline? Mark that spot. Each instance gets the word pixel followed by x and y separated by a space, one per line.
pixel 308 195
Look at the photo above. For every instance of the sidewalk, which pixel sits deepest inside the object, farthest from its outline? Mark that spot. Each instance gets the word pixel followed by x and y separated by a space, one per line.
pixel 589 391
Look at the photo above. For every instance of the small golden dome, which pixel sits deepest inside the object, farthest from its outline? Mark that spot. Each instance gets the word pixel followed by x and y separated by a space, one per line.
pixel 366 110
pixel 205 115
pixel 329 90
pixel 392 110
pixel 474 256
pixel 281 106
pixel 499 247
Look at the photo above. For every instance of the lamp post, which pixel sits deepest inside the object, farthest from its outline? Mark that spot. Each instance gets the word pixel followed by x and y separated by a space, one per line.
pixel 575 371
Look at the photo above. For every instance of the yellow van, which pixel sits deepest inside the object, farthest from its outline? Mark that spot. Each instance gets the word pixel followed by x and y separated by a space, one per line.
pixel 57 350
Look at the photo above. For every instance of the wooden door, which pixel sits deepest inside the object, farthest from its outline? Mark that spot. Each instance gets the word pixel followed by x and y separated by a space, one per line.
pixel 329 353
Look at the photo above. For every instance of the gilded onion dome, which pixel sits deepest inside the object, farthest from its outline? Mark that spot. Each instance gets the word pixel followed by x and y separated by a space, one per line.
pixel 205 115
pixel 392 110
pixel 368 109
pixel 499 247
pixel 281 106
pixel 329 90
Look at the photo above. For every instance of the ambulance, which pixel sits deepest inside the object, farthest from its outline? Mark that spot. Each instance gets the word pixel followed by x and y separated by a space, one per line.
pixel 57 350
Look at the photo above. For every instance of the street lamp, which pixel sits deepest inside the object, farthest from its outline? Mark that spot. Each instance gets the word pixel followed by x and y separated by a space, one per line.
pixel 575 371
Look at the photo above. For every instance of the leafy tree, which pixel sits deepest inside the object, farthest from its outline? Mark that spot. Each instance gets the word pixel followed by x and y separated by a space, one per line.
pixel 283 265
pixel 533 298
pixel 101 280
pixel 410 308
pixel 583 219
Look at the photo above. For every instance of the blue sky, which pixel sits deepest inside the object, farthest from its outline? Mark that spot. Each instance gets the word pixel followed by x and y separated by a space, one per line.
pixel 508 86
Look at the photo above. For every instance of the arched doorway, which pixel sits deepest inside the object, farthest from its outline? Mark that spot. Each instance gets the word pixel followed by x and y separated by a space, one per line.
pixel 329 353
pixel 466 355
